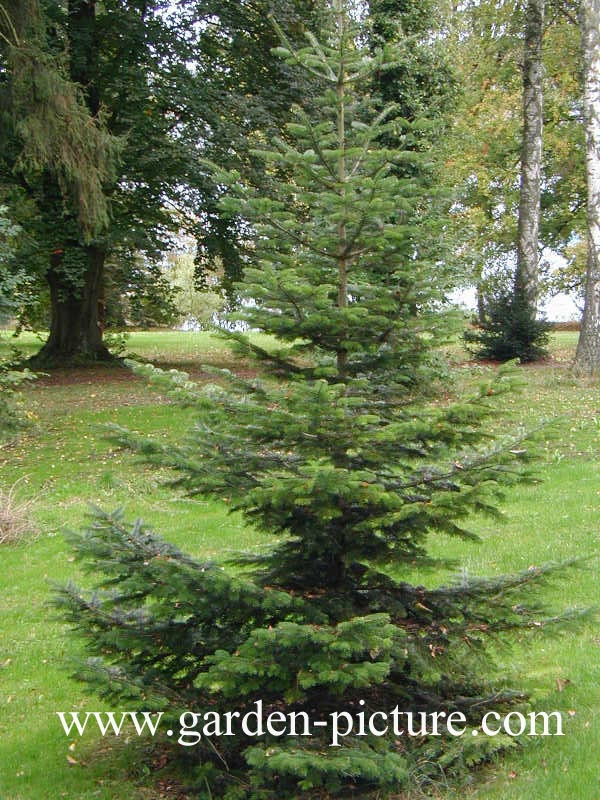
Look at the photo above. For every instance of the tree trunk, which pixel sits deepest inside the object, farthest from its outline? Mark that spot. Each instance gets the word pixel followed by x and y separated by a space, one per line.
pixel 480 303
pixel 75 330
pixel 526 276
pixel 342 353
pixel 76 326
pixel 587 358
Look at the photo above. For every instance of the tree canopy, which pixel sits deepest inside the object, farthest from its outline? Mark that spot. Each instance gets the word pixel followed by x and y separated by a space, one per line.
pixel 134 95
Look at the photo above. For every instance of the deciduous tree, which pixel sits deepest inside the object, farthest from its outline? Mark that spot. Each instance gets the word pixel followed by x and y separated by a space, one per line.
pixel 132 95
pixel 528 251
pixel 483 147
pixel 588 347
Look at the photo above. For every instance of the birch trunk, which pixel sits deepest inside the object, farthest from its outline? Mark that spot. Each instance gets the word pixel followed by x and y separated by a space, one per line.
pixel 526 277
pixel 587 358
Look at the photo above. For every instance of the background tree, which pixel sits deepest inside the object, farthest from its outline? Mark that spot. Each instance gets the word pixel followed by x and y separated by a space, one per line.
pixel 423 87
pixel 10 418
pixel 528 256
pixel 341 464
pixel 483 145
pixel 588 348
pixel 511 328
pixel 248 96
pixel 156 89
pixel 196 305
pixel 55 153
pixel 8 234
pixel 422 83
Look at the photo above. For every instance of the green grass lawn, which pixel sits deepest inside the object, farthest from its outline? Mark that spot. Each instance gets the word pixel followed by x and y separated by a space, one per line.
pixel 66 463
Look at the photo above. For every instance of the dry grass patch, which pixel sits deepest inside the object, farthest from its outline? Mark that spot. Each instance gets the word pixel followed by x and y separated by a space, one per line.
pixel 15 516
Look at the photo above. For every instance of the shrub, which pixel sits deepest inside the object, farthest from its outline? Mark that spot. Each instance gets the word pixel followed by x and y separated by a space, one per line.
pixel 510 330
pixel 12 417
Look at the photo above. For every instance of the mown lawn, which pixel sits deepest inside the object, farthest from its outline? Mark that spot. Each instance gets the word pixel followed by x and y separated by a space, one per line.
pixel 66 463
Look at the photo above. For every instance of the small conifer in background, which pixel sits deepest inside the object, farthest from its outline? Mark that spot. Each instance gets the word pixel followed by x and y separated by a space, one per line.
pixel 510 329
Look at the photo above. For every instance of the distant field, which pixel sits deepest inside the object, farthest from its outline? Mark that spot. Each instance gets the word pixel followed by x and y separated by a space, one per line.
pixel 65 462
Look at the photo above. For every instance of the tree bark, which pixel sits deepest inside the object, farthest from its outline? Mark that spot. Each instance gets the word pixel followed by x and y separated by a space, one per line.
pixel 76 327
pixel 526 276
pixel 342 353
pixel 587 358
pixel 480 303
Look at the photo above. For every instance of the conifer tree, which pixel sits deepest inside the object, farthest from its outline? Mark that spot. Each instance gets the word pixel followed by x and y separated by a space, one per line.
pixel 336 457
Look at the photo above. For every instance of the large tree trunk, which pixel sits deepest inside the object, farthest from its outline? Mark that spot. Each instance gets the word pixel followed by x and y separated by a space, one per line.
pixel 76 329
pixel 526 276
pixel 76 326
pixel 587 358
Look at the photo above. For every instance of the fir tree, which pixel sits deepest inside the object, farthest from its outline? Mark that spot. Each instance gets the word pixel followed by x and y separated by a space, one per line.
pixel 510 328
pixel 336 457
